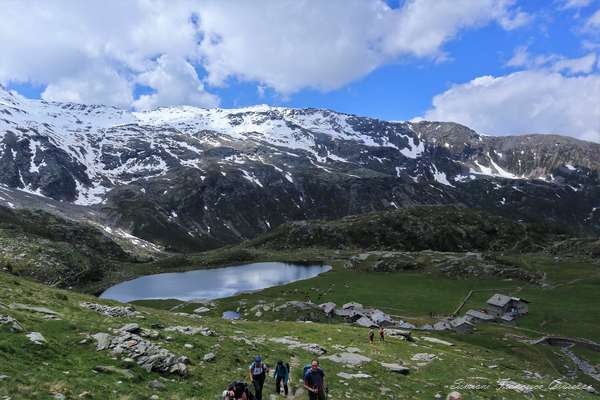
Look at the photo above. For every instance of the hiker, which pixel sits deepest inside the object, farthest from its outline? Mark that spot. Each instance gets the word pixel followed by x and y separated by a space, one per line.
pixel 454 396
pixel 281 375
pixel 381 334
pixel 314 382
pixel 258 371
pixel 238 391
pixel 371 335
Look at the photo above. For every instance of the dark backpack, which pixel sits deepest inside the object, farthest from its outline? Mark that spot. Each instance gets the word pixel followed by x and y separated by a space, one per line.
pixel 239 388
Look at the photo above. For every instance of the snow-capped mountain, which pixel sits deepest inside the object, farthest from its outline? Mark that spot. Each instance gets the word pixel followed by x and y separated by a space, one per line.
pixel 193 178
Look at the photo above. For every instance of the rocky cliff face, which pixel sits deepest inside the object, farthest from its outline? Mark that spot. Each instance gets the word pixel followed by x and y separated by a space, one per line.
pixel 190 178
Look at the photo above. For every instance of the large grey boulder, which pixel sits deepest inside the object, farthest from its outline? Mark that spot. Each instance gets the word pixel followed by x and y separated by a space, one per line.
pixel 397 368
pixel 366 322
pixel 36 338
pixel 352 359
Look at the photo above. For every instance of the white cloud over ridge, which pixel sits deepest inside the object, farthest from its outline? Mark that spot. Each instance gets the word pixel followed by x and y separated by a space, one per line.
pixel 96 51
pixel 530 101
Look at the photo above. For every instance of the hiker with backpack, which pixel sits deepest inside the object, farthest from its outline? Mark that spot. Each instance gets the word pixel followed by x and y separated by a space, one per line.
pixel 281 375
pixel 238 391
pixel 371 335
pixel 381 334
pixel 314 382
pixel 258 372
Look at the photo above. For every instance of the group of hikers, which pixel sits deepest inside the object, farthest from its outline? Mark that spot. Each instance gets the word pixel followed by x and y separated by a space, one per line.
pixel 313 378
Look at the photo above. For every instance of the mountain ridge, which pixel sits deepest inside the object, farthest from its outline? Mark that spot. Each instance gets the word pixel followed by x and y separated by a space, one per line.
pixel 189 178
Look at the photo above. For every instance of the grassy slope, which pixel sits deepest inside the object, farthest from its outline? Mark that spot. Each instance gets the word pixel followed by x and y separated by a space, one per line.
pixel 65 366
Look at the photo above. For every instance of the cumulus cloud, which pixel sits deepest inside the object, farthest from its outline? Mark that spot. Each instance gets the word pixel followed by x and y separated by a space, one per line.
pixel 284 45
pixel 532 101
pixel 175 81
pixel 593 22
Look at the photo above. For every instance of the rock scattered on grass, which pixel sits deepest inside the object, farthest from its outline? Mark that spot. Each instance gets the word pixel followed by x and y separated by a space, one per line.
pixel 348 358
pixel 294 343
pixel 191 330
pixel 209 357
pixel 360 375
pixel 424 357
pixel 15 326
pixel 156 385
pixel 436 341
pixel 36 338
pixel 397 368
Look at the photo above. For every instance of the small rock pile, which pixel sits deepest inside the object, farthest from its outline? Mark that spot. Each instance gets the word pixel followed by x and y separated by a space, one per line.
pixel 110 311
pixel 147 355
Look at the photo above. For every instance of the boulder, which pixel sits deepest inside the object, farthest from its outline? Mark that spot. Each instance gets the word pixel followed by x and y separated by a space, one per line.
pixel 397 368
pixel 366 322
pixel 156 385
pixel 399 333
pixel 424 357
pixel 36 338
pixel 201 310
pixel 328 308
pixel 15 326
pixel 103 341
pixel 209 357
pixel 348 358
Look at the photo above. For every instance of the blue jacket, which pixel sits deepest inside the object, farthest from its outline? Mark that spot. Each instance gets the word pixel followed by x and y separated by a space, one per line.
pixel 281 371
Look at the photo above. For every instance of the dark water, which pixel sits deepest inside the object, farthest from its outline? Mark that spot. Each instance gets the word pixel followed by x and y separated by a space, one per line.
pixel 212 283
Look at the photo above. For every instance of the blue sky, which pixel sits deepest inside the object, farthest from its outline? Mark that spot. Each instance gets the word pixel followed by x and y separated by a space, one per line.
pixel 397 60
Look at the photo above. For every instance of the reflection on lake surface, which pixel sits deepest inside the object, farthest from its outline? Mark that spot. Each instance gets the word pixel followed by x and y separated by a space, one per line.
pixel 212 283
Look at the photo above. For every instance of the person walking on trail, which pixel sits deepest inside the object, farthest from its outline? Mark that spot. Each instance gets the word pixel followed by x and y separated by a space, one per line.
pixel 371 335
pixel 314 382
pixel 258 372
pixel 238 391
pixel 281 375
pixel 381 334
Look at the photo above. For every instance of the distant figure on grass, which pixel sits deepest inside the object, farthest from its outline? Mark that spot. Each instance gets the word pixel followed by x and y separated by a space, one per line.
pixel 381 334
pixel 281 375
pixel 371 335
pixel 258 372
pixel 314 382
pixel 238 391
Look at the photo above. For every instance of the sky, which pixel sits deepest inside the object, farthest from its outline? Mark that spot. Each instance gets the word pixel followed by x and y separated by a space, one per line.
pixel 498 66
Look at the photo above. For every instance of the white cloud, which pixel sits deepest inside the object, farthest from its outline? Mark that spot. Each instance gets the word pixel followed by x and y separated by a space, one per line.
pixel 538 101
pixel 523 58
pixel 175 81
pixel 567 4
pixel 93 85
pixel 285 45
pixel 593 22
